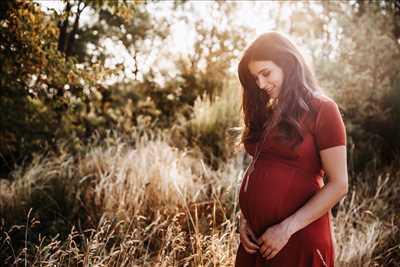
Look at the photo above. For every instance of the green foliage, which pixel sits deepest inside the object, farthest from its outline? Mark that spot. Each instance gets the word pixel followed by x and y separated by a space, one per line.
pixel 45 95
pixel 210 126
pixel 356 52
pixel 369 60
pixel 33 75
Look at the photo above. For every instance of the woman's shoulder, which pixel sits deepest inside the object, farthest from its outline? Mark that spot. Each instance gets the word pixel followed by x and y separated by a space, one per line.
pixel 320 100
pixel 328 126
pixel 323 108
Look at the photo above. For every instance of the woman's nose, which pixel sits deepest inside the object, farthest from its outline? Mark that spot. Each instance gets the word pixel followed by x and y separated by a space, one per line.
pixel 263 84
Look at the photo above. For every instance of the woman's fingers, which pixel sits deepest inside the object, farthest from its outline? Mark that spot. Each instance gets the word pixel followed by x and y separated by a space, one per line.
pixel 250 251
pixel 252 235
pixel 262 249
pixel 274 252
pixel 247 236
pixel 248 245
pixel 267 252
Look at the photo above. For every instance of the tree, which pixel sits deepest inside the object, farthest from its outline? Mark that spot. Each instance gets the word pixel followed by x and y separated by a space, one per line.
pixel 40 87
pixel 364 77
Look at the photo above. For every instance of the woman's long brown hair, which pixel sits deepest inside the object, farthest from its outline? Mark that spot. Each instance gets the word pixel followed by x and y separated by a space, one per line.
pixel 297 89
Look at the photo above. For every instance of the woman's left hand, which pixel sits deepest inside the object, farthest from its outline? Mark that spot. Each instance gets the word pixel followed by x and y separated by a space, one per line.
pixel 273 240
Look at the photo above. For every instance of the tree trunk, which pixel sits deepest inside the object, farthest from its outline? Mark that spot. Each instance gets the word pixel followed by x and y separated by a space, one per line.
pixel 396 26
pixel 63 29
pixel 71 36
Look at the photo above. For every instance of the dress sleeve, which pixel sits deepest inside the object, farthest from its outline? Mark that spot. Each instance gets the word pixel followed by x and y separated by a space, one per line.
pixel 330 130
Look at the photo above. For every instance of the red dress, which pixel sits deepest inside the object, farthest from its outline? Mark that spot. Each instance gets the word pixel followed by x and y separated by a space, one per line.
pixel 283 181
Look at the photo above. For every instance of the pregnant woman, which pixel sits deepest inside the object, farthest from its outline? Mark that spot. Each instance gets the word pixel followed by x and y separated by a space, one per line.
pixel 296 136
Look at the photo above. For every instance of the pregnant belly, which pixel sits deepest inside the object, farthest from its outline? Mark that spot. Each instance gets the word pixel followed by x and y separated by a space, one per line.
pixel 275 191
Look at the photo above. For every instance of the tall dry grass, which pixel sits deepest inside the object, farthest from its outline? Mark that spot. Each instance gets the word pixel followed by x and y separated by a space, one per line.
pixel 145 205
pixel 368 220
pixel 153 205
pixel 148 203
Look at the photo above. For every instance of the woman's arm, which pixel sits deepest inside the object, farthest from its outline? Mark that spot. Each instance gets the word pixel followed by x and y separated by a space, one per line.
pixel 334 163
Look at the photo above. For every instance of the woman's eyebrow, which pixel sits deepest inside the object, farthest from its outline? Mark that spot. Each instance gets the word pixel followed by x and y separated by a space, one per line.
pixel 266 68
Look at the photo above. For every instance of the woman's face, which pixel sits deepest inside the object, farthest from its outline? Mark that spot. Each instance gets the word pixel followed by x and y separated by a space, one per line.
pixel 268 76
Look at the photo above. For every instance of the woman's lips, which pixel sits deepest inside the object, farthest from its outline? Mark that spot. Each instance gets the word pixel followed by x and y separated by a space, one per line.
pixel 269 90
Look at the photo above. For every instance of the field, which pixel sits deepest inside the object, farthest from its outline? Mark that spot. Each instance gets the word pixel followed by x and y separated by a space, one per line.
pixel 153 205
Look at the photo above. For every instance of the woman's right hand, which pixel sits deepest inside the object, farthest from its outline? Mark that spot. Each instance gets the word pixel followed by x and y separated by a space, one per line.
pixel 246 236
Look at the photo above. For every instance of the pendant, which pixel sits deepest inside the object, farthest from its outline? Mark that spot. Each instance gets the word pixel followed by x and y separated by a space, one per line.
pixel 271 104
pixel 248 171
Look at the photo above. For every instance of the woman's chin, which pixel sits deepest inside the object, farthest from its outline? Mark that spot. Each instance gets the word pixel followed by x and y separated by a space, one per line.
pixel 272 95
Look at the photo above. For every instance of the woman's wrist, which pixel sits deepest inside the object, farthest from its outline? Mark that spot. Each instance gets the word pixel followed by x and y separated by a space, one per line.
pixel 290 225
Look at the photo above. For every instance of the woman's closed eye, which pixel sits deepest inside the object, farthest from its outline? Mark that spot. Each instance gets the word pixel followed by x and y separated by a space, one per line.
pixel 266 74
